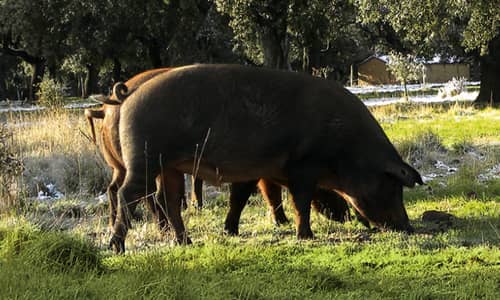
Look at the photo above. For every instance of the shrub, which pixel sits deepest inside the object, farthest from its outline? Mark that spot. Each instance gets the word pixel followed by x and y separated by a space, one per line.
pixel 462 147
pixel 10 168
pixel 452 88
pixel 420 147
pixel 71 173
pixel 405 68
pixel 51 93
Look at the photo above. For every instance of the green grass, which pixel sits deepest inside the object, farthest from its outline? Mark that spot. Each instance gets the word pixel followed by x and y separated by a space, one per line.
pixel 387 265
pixel 454 123
pixel 59 250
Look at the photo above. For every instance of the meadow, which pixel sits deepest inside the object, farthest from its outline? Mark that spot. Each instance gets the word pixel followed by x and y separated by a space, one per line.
pixel 56 248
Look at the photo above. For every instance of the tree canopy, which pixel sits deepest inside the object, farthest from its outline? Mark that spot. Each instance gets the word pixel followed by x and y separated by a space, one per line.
pixel 449 27
pixel 91 44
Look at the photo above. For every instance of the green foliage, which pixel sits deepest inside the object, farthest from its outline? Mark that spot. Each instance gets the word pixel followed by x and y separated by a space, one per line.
pixel 62 252
pixel 32 27
pixel 405 68
pixel 252 23
pixel 483 25
pixel 430 24
pixel 280 33
pixel 125 37
pixel 51 93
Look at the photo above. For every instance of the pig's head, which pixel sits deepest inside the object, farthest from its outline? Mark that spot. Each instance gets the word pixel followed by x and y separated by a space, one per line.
pixel 378 195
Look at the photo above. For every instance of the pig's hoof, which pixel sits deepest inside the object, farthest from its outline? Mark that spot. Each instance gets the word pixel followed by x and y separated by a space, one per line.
pixel 305 234
pixel 281 220
pixel 184 241
pixel 231 230
pixel 117 244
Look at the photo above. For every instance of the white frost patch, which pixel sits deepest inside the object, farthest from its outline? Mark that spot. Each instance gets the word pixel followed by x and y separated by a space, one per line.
pixel 212 192
pixel 429 177
pixel 442 170
pixel 467 96
pixel 18 106
pixel 82 105
pixel 399 88
pixel 102 198
pixel 441 165
pixel 50 193
pixel 478 156
pixel 490 174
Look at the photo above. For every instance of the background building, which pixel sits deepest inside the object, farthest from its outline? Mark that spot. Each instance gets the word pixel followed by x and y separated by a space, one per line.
pixel 373 71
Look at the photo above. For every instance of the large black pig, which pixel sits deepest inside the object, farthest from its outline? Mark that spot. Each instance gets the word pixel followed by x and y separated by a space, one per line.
pixel 231 123
pixel 327 203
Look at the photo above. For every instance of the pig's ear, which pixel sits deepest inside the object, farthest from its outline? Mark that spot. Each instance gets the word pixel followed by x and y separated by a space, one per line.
pixel 407 175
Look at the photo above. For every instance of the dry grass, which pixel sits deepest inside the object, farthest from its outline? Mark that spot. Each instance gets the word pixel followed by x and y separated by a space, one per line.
pixel 55 150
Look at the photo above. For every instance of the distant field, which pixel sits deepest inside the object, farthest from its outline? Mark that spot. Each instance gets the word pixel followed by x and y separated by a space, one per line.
pixel 57 248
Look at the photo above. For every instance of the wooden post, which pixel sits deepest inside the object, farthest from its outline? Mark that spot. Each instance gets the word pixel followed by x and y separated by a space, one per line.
pixel 352 74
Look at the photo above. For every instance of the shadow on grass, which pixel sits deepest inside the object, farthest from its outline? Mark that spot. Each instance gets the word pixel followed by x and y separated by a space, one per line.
pixel 462 232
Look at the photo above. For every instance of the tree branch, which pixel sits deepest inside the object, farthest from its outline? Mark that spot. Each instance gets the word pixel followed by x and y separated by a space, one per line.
pixel 24 55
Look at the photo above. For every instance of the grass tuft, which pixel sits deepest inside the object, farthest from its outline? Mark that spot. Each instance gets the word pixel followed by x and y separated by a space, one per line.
pixel 52 251
pixel 420 147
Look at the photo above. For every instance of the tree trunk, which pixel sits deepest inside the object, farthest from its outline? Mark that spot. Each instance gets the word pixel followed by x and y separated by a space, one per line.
pixel 81 84
pixel 90 81
pixel 36 78
pixel 275 55
pixel 489 91
pixel 315 54
pixel 306 66
pixel 117 70
pixel 3 90
pixel 405 93
pixel 52 68
pixel 154 53
pixel 273 34
pixel 310 60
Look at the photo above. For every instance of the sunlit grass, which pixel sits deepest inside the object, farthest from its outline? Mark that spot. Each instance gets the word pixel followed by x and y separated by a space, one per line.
pixel 55 149
pixel 455 124
pixel 46 132
pixel 462 262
